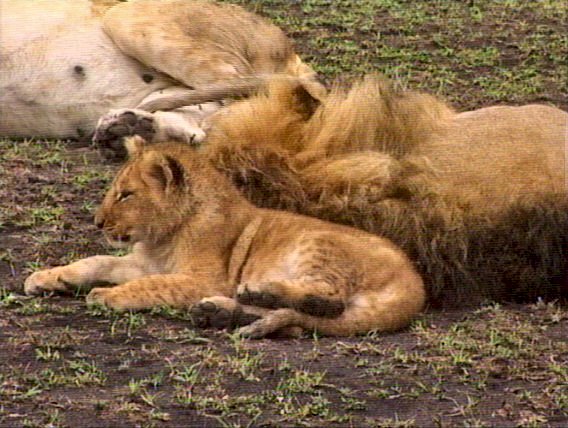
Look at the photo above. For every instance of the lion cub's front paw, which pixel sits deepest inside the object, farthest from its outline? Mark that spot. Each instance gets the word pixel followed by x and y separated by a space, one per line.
pixel 106 297
pixel 44 281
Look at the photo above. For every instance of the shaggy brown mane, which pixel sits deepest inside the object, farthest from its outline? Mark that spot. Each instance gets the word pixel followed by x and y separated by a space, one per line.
pixel 371 157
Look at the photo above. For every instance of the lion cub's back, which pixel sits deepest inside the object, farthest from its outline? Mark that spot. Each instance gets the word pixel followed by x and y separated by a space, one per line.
pixel 286 243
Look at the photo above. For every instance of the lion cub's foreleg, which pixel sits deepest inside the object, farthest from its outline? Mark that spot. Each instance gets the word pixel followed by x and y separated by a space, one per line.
pixel 177 290
pixel 85 273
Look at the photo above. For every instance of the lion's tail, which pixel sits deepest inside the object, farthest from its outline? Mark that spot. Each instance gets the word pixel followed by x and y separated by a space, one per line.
pixel 382 311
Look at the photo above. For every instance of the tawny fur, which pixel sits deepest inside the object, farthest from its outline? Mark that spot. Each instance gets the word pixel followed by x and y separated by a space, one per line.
pixel 196 237
pixel 478 199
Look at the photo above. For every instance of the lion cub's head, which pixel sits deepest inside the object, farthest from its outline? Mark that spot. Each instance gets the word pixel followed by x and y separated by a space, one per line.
pixel 148 198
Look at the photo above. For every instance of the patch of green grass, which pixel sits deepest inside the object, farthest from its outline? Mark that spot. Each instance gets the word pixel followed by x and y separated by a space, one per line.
pixel 395 422
pixel 127 323
pixel 186 336
pixel 27 306
pixel 92 175
pixel 186 374
pixel 301 381
pixel 47 354
pixel 86 373
pixel 484 49
pixel 43 215
pixel 7 297
pixel 244 362
pixel 37 152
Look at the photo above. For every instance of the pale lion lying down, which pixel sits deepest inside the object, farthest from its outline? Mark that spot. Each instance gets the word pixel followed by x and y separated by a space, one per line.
pixel 66 63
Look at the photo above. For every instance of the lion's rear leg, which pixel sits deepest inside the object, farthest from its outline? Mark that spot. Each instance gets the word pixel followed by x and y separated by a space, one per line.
pixel 226 313
pixel 117 124
pixel 314 297
pixel 174 41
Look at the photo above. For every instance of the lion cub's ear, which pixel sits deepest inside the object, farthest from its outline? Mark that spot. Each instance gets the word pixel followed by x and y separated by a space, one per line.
pixel 134 146
pixel 167 171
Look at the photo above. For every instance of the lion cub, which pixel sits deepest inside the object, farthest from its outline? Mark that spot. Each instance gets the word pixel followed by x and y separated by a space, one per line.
pixel 196 241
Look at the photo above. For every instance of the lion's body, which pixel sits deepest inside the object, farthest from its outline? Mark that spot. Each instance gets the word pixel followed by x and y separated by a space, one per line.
pixel 195 237
pixel 478 199
pixel 488 158
pixel 66 63
pixel 478 160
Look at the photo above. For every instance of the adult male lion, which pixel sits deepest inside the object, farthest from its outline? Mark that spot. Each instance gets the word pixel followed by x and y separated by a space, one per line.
pixel 478 198
pixel 66 63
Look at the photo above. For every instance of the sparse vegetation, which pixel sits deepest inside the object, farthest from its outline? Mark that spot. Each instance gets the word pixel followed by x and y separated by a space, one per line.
pixel 66 365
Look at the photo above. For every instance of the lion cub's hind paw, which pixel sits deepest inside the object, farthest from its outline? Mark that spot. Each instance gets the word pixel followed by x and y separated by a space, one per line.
pixel 247 295
pixel 208 313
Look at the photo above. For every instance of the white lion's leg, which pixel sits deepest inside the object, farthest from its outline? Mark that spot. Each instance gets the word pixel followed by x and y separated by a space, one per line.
pixel 119 123
pixel 183 124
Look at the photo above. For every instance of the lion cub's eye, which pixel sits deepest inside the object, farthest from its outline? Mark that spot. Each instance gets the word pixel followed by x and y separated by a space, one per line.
pixel 123 196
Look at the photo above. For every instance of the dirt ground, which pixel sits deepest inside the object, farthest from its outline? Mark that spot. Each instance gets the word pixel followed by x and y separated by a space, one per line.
pixel 498 365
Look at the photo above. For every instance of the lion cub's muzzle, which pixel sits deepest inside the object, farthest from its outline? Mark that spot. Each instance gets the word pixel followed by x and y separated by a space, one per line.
pixel 115 237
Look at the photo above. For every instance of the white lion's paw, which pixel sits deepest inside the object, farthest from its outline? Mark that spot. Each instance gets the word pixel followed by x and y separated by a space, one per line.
pixel 119 123
pixel 42 281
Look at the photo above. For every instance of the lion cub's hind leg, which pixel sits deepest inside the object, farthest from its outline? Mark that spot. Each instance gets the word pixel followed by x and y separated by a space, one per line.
pixel 226 313
pixel 318 275
pixel 313 297
pixel 381 311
